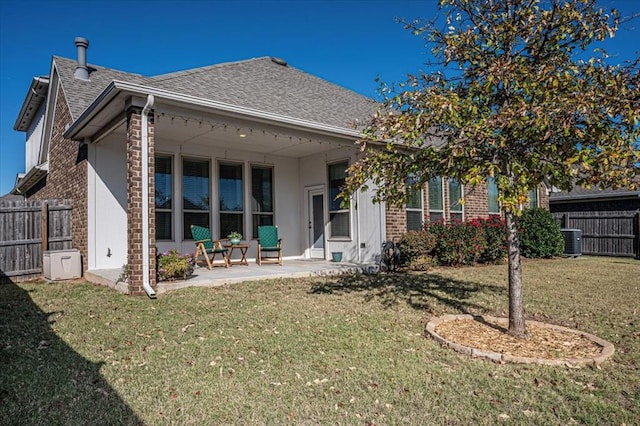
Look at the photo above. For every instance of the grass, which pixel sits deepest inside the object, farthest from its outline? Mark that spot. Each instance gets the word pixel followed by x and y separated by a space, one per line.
pixel 344 350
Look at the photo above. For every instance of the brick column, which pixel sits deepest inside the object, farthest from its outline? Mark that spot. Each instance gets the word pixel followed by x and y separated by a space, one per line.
pixel 134 201
pixel 396 219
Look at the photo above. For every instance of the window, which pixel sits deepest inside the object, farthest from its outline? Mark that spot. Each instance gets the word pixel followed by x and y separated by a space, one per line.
pixel 533 198
pixel 339 225
pixel 261 197
pixel 231 199
pixel 164 197
pixel 414 207
pixel 492 191
pixel 436 204
pixel 195 194
pixel 455 200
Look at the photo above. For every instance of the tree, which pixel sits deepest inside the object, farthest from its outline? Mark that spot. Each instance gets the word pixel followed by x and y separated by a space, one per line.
pixel 514 95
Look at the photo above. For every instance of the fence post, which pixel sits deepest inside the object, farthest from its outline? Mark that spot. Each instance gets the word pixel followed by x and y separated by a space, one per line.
pixel 44 221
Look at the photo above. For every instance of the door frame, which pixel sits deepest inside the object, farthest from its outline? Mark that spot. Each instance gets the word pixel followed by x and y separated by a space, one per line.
pixel 309 192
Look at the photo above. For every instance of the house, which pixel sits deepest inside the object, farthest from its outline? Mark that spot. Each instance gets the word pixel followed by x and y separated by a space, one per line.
pixel 228 146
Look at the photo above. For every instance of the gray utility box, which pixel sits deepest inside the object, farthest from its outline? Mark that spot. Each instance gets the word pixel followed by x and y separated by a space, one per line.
pixel 61 264
pixel 572 242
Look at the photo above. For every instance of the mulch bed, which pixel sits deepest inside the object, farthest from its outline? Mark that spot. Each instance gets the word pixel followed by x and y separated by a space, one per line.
pixel 542 342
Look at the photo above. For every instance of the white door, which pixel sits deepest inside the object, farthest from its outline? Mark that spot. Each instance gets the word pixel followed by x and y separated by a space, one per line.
pixel 315 203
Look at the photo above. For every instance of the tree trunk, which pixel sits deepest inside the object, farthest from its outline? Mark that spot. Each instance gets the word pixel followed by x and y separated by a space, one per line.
pixel 516 308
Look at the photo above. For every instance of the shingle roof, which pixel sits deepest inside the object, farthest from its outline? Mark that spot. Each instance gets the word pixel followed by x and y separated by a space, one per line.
pixel 258 83
pixel 580 193
pixel 80 94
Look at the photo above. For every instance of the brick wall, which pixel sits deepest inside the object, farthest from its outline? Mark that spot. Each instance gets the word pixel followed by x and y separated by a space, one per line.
pixel 67 176
pixel 476 205
pixel 134 202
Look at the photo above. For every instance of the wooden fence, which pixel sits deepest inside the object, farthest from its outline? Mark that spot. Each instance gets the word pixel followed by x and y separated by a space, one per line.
pixel 27 229
pixel 605 233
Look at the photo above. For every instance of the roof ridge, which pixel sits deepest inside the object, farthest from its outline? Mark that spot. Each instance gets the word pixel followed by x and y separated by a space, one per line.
pixel 175 74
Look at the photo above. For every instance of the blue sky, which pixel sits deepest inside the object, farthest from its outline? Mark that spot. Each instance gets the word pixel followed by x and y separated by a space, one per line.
pixel 345 42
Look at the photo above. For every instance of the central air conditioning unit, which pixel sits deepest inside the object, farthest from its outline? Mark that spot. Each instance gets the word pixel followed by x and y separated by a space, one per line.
pixel 572 242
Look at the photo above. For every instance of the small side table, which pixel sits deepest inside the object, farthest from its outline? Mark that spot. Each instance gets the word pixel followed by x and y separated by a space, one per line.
pixel 243 251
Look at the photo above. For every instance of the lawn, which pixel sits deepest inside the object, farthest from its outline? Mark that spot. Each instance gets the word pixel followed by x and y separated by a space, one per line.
pixel 341 350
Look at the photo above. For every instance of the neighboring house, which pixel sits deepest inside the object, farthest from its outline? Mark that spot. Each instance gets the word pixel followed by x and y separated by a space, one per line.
pixel 594 199
pixel 228 146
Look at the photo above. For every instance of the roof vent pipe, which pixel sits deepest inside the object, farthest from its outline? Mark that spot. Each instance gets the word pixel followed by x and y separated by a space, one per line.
pixel 82 72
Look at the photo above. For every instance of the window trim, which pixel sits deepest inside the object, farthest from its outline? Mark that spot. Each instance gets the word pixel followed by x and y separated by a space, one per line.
pixel 273 194
pixel 415 209
pixel 330 237
pixel 489 179
pixel 451 211
pixel 220 212
pixel 441 197
pixel 188 236
pixel 172 210
pixel 537 194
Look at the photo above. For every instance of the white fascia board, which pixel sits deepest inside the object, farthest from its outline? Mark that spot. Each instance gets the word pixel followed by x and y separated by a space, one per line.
pixel 36 94
pixel 116 87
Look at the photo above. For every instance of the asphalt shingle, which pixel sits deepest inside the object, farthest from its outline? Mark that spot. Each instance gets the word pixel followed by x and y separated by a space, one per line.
pixel 259 83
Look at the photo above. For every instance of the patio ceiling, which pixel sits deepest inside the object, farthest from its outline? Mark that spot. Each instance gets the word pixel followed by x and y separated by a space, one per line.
pixel 228 133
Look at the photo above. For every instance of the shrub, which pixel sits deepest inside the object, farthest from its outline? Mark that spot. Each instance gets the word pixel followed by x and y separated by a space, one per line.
pixel 494 230
pixel 459 243
pixel 173 265
pixel 415 244
pixel 540 234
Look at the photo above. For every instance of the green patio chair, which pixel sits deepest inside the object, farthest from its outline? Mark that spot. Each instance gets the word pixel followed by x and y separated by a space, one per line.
pixel 205 246
pixel 268 242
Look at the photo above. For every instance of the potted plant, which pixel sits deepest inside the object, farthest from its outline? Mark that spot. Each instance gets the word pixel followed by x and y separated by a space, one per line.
pixel 235 237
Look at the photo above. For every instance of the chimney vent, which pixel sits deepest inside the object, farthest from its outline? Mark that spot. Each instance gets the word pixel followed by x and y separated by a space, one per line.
pixel 82 71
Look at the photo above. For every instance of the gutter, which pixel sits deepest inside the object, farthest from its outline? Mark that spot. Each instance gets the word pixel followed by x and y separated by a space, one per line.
pixel 25 182
pixel 35 96
pixel 596 196
pixel 116 87
pixel 145 196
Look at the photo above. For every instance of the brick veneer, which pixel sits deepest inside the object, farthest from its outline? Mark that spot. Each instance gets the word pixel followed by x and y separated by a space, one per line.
pixel 67 176
pixel 396 220
pixel 476 205
pixel 134 201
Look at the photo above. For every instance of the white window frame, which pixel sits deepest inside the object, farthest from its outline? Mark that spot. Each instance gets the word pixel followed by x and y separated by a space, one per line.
pixel 187 235
pixel 451 211
pixel 244 201
pixel 273 192
pixel 489 180
pixel 432 210
pixel 537 194
pixel 172 210
pixel 420 209
pixel 341 210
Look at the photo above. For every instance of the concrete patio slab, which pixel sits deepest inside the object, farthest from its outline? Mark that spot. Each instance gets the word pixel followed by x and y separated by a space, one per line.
pixel 218 276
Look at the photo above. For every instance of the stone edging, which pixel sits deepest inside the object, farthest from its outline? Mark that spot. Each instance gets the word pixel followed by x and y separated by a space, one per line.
pixel 607 347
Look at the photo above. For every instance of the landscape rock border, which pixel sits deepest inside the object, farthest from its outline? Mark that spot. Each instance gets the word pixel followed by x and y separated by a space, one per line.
pixel 606 353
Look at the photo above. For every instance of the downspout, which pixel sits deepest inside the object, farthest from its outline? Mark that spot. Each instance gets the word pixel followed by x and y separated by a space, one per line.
pixel 145 197
pixel 358 241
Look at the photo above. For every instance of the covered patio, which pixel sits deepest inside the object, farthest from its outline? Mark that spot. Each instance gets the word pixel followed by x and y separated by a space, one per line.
pixel 203 277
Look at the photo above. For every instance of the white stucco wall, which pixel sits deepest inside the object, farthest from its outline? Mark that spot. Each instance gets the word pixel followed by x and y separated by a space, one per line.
pixel 366 218
pixel 107 203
